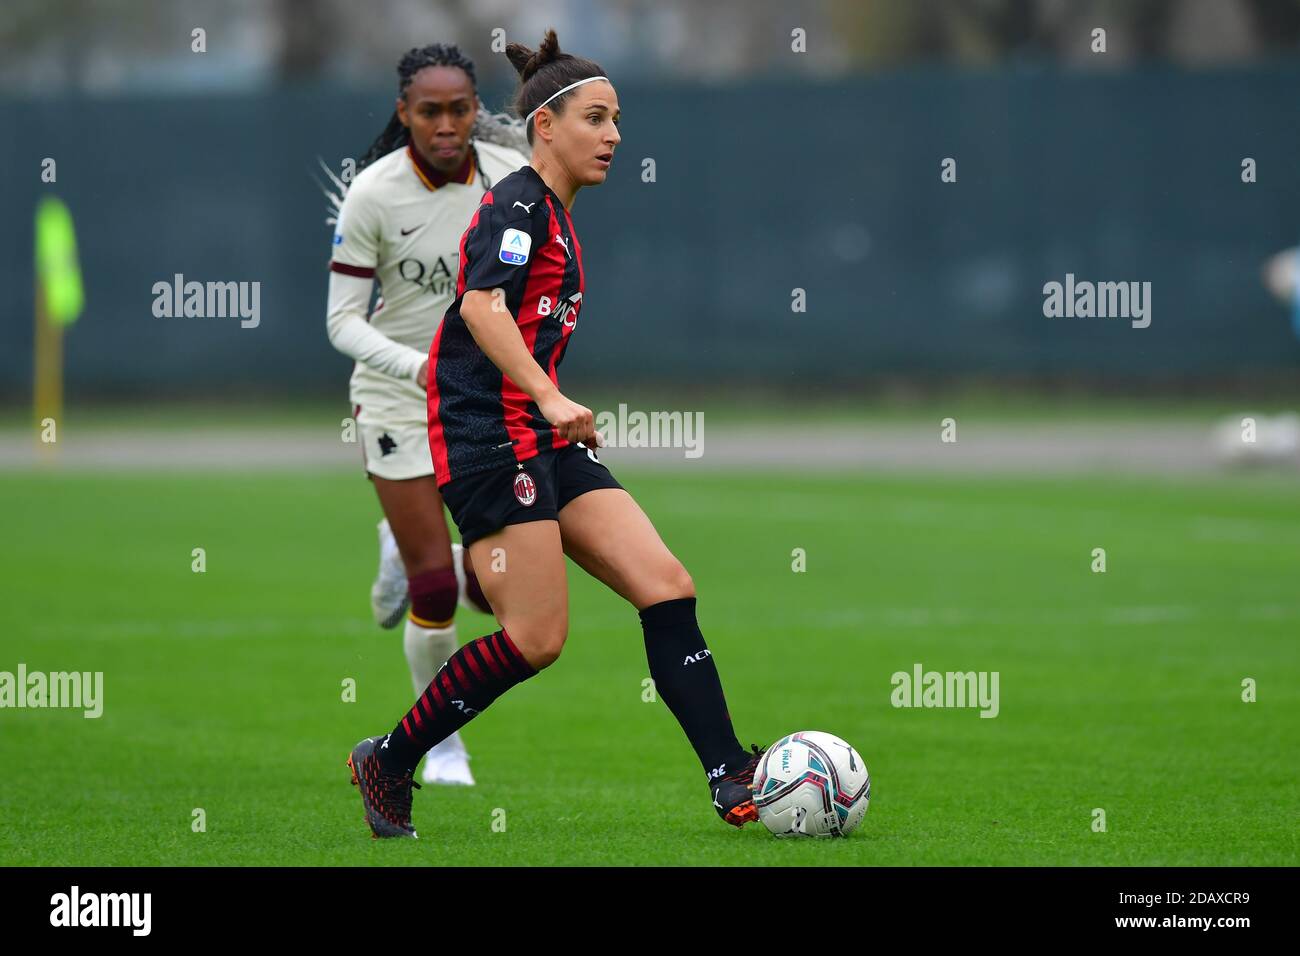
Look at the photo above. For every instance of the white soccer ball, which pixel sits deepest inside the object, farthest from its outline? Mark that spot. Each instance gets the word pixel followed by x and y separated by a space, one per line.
pixel 811 784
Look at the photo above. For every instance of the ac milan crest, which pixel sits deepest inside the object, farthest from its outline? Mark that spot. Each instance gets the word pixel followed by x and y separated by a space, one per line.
pixel 525 488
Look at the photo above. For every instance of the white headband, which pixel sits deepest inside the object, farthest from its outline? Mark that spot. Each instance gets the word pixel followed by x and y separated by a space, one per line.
pixel 529 118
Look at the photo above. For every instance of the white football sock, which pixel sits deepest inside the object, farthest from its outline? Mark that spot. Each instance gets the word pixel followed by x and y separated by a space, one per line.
pixel 427 649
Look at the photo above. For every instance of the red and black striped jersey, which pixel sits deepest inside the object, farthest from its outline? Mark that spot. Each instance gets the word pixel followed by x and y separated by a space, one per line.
pixel 522 241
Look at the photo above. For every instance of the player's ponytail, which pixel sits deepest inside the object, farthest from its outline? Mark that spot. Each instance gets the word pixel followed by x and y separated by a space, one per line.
pixel 543 73
pixel 501 129
pixel 394 136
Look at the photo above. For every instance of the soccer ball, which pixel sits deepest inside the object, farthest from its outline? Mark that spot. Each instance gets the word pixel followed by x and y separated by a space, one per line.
pixel 811 784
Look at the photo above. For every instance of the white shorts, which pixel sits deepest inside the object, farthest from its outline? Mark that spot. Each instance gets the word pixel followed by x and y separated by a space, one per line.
pixel 396 452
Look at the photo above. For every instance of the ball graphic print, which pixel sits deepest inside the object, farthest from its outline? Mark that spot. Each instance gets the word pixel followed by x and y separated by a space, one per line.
pixel 813 784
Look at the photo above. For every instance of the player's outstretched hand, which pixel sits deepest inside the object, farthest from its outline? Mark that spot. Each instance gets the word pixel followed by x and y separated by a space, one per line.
pixel 574 422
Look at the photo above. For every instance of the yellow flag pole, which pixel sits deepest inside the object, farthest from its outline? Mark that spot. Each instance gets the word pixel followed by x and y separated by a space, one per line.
pixel 48 378
pixel 59 301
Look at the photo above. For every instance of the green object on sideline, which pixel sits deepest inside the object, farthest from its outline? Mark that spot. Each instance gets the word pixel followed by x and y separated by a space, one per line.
pixel 56 261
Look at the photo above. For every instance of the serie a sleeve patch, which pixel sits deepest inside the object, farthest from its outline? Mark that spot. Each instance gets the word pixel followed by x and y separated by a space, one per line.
pixel 515 246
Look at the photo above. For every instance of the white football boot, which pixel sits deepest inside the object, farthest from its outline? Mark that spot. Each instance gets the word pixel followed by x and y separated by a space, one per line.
pixel 389 599
pixel 448 763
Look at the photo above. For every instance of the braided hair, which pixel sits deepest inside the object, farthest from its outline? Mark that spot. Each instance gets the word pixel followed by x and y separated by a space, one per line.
pixel 543 72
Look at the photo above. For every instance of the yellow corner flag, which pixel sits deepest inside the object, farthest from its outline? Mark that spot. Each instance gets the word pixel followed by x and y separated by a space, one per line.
pixel 59 301
pixel 56 262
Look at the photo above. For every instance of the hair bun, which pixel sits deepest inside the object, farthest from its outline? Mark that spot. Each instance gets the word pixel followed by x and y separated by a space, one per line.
pixel 527 62
pixel 520 57
pixel 549 51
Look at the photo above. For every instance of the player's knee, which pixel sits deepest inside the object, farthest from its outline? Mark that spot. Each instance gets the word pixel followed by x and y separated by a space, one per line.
pixel 433 597
pixel 680 581
pixel 549 644
pixel 539 641
pixel 672 582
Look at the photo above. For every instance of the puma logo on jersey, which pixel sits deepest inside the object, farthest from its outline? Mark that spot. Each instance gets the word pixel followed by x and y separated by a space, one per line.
pixel 564 242
pixel 528 206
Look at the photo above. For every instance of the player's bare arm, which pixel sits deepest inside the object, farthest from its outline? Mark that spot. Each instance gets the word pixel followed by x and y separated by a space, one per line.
pixel 497 334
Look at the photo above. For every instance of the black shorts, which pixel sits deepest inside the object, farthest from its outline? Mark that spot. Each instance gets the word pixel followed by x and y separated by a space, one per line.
pixel 535 490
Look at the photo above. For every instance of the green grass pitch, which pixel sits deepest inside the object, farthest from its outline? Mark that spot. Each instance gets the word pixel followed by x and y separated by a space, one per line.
pixel 223 690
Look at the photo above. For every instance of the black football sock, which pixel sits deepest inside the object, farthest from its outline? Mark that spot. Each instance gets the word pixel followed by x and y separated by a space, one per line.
pixel 685 676
pixel 472 678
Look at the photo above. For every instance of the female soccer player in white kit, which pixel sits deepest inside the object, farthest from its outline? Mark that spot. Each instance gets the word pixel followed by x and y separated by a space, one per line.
pixel 399 224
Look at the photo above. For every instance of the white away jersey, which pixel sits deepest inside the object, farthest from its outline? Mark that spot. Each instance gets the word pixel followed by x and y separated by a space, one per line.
pixel 399 228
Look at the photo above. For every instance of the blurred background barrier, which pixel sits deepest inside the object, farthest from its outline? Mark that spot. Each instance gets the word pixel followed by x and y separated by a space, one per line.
pixel 762 186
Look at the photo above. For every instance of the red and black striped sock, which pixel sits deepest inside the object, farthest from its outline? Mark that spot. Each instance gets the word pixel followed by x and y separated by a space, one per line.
pixel 472 678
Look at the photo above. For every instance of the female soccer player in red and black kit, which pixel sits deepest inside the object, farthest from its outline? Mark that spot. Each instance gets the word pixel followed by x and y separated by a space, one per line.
pixel 514 460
